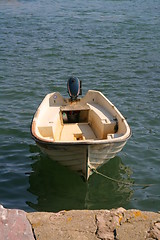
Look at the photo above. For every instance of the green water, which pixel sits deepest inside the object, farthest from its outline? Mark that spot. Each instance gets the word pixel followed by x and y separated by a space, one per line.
pixel 112 46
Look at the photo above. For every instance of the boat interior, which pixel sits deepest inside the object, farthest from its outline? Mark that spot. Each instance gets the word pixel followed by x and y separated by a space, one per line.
pixel 91 122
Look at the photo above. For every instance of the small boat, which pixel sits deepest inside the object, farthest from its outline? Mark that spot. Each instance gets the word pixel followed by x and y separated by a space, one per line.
pixel 79 133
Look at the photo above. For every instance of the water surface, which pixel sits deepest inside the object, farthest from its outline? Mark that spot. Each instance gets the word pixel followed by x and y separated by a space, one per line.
pixel 112 46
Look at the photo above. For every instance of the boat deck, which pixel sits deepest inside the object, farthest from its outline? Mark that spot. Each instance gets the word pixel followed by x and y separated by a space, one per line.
pixel 76 132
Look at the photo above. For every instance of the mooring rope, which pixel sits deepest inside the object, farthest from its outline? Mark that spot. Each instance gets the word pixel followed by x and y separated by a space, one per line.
pixel 119 181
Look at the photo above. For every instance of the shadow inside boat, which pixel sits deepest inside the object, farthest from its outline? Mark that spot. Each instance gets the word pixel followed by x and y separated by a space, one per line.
pixel 57 188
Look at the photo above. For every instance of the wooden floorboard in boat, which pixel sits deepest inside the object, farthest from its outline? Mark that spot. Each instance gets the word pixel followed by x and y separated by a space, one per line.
pixel 77 131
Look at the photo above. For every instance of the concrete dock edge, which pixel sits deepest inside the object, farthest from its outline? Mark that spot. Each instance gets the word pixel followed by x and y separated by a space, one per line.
pixel 114 224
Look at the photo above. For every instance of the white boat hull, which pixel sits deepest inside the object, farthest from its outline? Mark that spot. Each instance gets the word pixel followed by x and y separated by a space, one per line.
pixel 82 158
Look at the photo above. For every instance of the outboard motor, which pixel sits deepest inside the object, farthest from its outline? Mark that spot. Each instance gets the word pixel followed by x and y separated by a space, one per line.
pixel 74 88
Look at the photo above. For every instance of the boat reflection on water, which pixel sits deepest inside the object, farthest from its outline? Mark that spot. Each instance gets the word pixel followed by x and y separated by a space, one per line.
pixel 58 188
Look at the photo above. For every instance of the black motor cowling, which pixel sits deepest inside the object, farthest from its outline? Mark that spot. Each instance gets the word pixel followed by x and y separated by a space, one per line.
pixel 74 87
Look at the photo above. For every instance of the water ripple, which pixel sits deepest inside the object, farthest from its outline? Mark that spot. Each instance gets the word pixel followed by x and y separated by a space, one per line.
pixel 112 46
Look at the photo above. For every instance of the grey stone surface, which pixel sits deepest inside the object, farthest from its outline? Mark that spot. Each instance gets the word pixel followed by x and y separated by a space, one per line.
pixel 77 225
pixel 115 224
pixel 14 225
